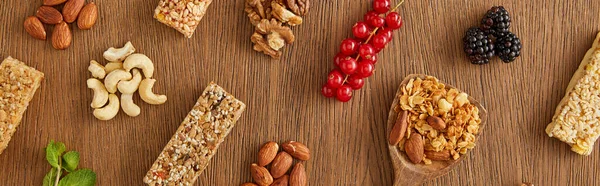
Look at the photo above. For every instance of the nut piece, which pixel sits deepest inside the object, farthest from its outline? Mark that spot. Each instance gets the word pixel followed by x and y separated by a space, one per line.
pixel 130 108
pixel 258 10
pixel 248 184
pixel 49 15
pixel 438 156
pixel 129 87
pixel 109 111
pixel 281 164
pixel 298 175
pixel 96 69
pixel 436 122
pixel 399 129
pixel 53 2
pixel 297 150
pixel 87 16
pixel 261 175
pixel 112 66
pixel 100 93
pixel 140 61
pixel 283 181
pixel 299 7
pixel 35 28
pixel 71 10
pixel 261 45
pixel 148 96
pixel 268 27
pixel 284 15
pixel 414 148
pixel 61 36
pixel 119 54
pixel 267 153
pixel 113 78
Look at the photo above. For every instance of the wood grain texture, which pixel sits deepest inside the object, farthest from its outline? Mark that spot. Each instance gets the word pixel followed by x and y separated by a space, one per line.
pixel 347 140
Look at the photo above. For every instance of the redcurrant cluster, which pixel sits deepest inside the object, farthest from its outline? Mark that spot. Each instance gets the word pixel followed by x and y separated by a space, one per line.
pixel 357 57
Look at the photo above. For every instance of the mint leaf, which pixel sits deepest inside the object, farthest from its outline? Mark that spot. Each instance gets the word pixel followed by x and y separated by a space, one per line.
pixel 50 178
pixel 53 152
pixel 70 161
pixel 82 177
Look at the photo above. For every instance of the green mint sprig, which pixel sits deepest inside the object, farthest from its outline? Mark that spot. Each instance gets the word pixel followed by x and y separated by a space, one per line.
pixel 66 164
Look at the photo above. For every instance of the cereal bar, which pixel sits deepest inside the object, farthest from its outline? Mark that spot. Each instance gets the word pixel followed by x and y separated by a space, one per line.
pixel 197 139
pixel 182 15
pixel 18 84
pixel 576 120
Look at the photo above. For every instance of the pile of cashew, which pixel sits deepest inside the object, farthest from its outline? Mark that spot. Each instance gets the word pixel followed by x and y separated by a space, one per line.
pixel 124 77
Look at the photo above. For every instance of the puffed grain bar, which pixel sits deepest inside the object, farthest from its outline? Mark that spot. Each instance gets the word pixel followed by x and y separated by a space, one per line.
pixel 18 83
pixel 197 139
pixel 576 120
pixel 182 15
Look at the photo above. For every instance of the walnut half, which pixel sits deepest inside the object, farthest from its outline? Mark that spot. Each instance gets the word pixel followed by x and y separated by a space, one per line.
pixel 258 10
pixel 276 37
pixel 299 7
pixel 284 15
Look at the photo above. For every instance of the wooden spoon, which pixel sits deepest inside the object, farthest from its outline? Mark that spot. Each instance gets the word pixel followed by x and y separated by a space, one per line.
pixel 408 173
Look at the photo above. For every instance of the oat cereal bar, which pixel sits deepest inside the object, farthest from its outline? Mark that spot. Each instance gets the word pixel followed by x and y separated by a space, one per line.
pixel 576 120
pixel 18 84
pixel 197 139
pixel 182 15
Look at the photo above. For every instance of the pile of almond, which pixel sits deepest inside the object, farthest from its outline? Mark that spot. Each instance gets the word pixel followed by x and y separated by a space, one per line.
pixel 72 10
pixel 280 164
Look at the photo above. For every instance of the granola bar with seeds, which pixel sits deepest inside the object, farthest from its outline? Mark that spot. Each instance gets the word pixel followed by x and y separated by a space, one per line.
pixel 182 15
pixel 18 83
pixel 197 139
pixel 576 120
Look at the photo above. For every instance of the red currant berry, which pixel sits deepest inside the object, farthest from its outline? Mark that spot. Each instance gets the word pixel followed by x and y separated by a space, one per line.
pixel 377 22
pixel 339 57
pixel 365 69
pixel 361 30
pixel 366 51
pixel 335 79
pixel 370 15
pixel 348 66
pixel 379 41
pixel 355 82
pixel 381 6
pixel 344 93
pixel 387 32
pixel 373 58
pixel 328 92
pixel 349 46
pixel 393 20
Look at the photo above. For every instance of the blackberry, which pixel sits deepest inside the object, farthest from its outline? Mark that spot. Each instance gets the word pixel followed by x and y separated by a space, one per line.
pixel 478 46
pixel 496 21
pixel 508 47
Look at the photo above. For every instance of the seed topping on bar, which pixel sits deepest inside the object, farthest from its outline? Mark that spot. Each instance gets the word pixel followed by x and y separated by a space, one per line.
pixel 182 15
pixel 197 139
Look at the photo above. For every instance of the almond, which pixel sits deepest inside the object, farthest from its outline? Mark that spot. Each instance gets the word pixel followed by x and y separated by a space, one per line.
pixel 71 10
pixel 267 153
pixel 248 184
pixel 35 28
pixel 297 150
pixel 53 2
pixel 436 122
pixel 283 181
pixel 261 175
pixel 298 175
pixel 49 15
pixel 399 128
pixel 414 148
pixel 61 36
pixel 439 156
pixel 87 16
pixel 281 164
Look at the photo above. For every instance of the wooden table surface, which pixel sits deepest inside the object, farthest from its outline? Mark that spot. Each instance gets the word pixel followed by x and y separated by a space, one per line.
pixel 283 97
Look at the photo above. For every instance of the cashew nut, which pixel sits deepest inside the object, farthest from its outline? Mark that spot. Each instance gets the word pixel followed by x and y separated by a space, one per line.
pixel 128 106
pixel 109 111
pixel 148 96
pixel 119 54
pixel 112 66
pixel 97 69
pixel 140 61
pixel 114 77
pixel 100 93
pixel 129 87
